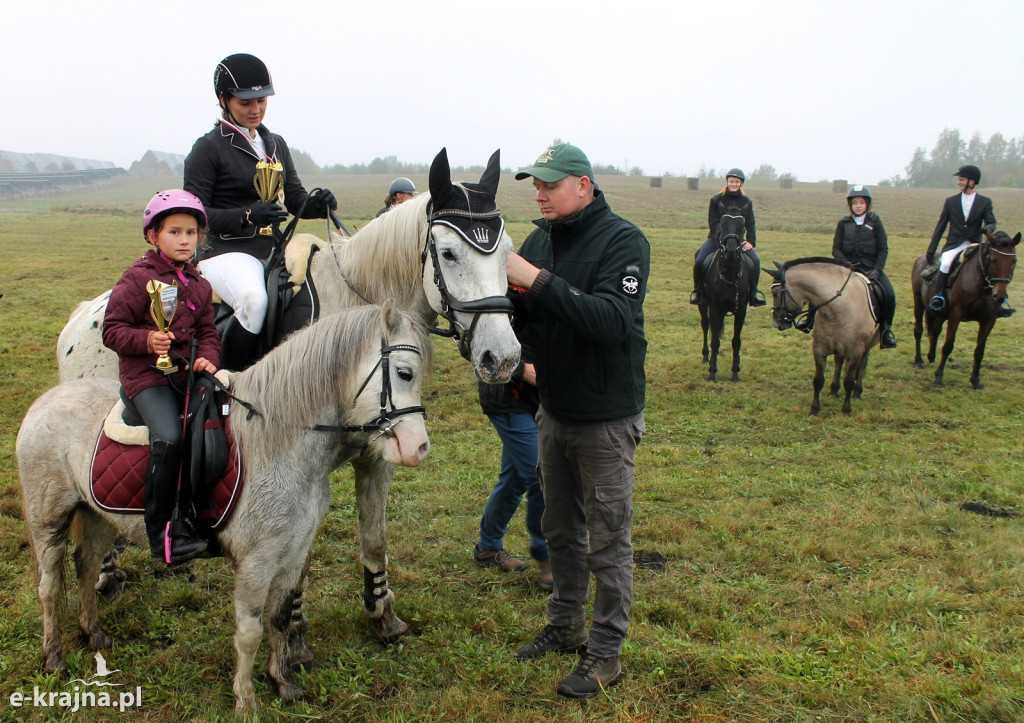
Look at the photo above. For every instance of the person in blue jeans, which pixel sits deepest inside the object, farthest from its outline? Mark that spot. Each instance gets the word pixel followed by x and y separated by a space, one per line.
pixel 511 408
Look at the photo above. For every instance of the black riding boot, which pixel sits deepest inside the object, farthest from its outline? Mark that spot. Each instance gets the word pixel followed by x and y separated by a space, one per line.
pixel 756 297
pixel 698 286
pixel 239 348
pixel 161 494
pixel 888 340
pixel 1004 309
pixel 938 302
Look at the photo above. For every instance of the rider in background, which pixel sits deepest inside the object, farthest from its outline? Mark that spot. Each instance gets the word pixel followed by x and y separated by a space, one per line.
pixel 860 242
pixel 220 171
pixel 965 213
pixel 730 199
pixel 174 223
pixel 400 191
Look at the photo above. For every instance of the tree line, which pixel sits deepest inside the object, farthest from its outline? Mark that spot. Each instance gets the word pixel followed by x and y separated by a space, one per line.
pixel 1001 161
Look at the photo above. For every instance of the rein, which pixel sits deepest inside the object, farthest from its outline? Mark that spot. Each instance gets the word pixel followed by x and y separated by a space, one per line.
pixel 990 281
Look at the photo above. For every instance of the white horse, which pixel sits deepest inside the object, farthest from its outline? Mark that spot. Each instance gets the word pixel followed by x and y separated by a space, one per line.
pixel 310 419
pixel 415 256
pixel 439 254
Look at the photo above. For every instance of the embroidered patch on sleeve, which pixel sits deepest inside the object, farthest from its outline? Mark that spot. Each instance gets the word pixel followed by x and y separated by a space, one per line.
pixel 630 282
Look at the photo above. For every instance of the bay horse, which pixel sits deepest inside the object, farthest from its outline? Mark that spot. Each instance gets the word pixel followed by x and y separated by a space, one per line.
pixel 359 403
pixel 726 291
pixel 441 254
pixel 977 292
pixel 838 311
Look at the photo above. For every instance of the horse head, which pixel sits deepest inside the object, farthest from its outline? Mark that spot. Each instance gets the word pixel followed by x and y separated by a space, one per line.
pixel 391 390
pixel 1001 258
pixel 730 239
pixel 785 307
pixel 467 248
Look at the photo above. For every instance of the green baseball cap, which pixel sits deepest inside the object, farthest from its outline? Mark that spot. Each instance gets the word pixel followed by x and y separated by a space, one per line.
pixel 557 162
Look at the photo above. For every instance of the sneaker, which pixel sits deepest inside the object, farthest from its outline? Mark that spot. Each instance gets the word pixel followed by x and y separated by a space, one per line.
pixel 556 639
pixel 496 558
pixel 591 676
pixel 547 580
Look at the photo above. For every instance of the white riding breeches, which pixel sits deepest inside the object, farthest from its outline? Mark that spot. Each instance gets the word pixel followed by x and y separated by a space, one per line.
pixel 238 279
pixel 949 256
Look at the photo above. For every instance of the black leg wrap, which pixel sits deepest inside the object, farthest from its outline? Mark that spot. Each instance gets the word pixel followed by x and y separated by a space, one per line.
pixel 375 591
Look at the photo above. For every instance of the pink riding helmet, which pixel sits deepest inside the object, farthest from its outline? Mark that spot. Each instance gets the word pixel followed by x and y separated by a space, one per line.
pixel 174 199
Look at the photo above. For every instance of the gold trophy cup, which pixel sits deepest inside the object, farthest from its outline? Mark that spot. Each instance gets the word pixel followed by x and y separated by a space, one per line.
pixel 164 302
pixel 269 183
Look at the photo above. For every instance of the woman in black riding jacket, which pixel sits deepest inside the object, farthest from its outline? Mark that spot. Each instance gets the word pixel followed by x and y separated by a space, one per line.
pixel 220 170
pixel 730 199
pixel 860 242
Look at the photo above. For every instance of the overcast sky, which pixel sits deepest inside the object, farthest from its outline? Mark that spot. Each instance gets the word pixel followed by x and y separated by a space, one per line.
pixel 820 89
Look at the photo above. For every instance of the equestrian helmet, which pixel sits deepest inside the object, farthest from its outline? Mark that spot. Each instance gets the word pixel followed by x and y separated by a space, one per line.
pixel 969 172
pixel 401 185
pixel 858 191
pixel 173 201
pixel 736 173
pixel 243 76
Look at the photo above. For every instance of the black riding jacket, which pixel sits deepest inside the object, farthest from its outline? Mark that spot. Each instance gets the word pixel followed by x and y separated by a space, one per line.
pixel 722 203
pixel 863 247
pixel 220 171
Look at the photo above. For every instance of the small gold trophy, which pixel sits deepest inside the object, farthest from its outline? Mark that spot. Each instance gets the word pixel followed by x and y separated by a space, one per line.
pixel 269 183
pixel 164 303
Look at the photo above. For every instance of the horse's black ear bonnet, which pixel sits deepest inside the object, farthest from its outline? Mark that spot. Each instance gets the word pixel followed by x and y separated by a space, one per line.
pixel 469 209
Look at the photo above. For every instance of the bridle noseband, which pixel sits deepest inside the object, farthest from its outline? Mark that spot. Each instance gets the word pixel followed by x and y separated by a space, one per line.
pixel 449 304
pixel 986 264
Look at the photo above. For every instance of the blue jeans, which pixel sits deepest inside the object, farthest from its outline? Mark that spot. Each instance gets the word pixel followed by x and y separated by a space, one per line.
pixel 518 476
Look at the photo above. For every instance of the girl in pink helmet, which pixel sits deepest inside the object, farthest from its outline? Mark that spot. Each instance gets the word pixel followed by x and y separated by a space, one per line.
pixel 174 223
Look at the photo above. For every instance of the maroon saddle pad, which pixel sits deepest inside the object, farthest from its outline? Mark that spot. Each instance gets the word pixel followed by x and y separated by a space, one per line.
pixel 119 481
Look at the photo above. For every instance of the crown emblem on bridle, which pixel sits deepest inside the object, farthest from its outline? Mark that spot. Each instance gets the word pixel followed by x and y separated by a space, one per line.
pixel 481 235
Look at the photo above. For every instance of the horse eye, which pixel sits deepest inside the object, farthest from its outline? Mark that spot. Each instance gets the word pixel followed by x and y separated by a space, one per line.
pixel 405 374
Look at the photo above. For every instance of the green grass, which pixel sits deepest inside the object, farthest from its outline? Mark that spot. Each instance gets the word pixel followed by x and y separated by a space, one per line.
pixel 819 569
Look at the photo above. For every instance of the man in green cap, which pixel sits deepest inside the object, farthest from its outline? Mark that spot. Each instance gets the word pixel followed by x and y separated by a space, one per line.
pixel 583 277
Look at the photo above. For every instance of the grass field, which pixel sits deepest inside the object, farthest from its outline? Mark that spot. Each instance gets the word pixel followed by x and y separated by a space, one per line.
pixel 819 569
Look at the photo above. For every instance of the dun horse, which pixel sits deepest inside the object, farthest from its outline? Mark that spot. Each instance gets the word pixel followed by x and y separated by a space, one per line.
pixel 368 378
pixel 838 311
pixel 442 254
pixel 726 291
pixel 977 292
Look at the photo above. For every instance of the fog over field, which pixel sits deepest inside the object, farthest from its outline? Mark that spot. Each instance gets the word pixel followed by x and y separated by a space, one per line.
pixel 818 90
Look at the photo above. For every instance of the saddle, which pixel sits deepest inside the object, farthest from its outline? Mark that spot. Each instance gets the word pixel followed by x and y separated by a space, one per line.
pixel 292 301
pixel 211 457
pixel 931 269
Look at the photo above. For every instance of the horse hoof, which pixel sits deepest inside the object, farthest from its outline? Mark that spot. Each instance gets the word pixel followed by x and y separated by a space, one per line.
pixel 56 665
pixel 97 640
pixel 289 692
pixel 710 378
pixel 936 385
pixel 977 385
pixel 735 378
pixel 302 661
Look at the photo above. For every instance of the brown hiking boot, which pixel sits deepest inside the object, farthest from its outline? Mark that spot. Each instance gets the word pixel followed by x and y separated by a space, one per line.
pixel 496 558
pixel 556 639
pixel 591 676
pixel 546 580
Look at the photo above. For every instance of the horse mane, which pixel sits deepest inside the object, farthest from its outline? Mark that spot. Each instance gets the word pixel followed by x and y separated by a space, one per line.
pixel 314 371
pixel 370 256
pixel 813 260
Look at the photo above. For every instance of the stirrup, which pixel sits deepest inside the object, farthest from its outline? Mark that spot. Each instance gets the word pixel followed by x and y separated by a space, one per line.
pixel 1004 310
pixel 938 303
pixel 757 299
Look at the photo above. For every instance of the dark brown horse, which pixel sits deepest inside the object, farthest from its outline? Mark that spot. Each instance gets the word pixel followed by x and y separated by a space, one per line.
pixel 726 291
pixel 979 289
